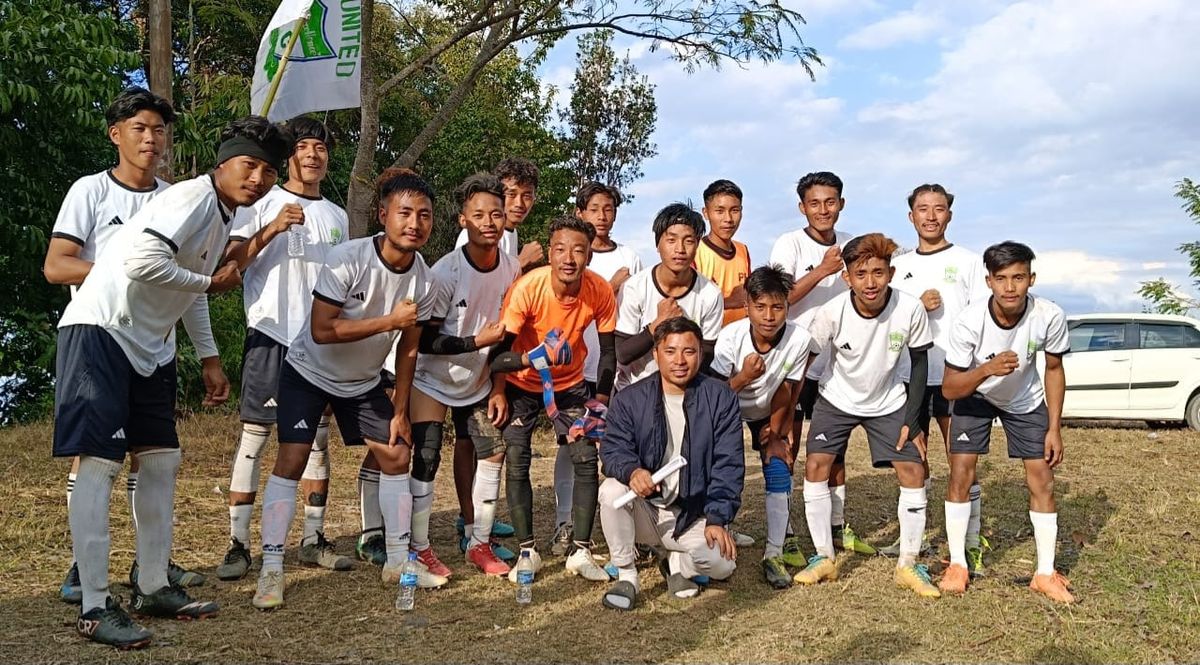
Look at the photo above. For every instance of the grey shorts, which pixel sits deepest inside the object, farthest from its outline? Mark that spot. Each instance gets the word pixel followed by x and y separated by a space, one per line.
pixel 829 433
pixel 971 428
pixel 262 358
pixel 472 422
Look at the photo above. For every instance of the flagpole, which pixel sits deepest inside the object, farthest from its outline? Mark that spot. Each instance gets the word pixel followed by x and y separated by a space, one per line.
pixel 283 61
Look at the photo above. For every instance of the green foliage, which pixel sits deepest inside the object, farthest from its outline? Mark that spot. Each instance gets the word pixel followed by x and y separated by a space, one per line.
pixel 1162 296
pixel 228 319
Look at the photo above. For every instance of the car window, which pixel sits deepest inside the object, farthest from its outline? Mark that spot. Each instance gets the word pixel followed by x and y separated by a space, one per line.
pixel 1168 336
pixel 1097 336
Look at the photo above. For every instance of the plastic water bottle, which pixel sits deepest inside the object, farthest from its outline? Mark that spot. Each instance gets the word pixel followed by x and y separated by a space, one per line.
pixel 525 579
pixel 295 238
pixel 408 584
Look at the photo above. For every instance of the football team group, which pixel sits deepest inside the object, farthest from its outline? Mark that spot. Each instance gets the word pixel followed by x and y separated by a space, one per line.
pixel 647 375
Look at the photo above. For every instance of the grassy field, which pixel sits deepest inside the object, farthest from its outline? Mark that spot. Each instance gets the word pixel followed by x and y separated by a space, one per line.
pixel 1129 509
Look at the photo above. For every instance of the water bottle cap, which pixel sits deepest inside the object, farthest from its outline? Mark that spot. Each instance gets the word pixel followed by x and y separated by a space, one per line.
pixel 525 554
pixel 412 556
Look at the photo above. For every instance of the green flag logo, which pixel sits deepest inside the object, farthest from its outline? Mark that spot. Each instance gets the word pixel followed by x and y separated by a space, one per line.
pixel 312 44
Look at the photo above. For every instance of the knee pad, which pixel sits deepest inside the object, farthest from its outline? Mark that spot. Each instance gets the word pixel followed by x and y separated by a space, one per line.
pixel 583 451
pixel 315 500
pixel 777 476
pixel 427 450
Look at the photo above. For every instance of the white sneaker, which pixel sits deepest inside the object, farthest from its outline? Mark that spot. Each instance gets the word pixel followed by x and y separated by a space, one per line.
pixel 270 590
pixel 533 556
pixel 582 564
pixel 425 579
pixel 741 540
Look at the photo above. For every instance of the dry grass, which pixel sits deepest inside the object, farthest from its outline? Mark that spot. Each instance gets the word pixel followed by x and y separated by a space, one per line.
pixel 1129 506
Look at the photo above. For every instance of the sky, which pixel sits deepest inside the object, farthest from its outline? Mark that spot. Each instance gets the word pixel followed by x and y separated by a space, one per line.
pixel 1063 124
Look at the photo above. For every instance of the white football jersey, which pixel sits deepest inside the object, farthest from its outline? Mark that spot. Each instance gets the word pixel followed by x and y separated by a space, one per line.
pixel 976 338
pixel 703 303
pixel 785 361
pixel 357 279
pixel 798 254
pixel 277 288
pixel 96 208
pixel 863 375
pixel 959 278
pixel 606 264
pixel 465 297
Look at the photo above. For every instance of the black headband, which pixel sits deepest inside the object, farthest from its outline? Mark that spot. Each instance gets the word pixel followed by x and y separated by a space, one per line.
pixel 244 146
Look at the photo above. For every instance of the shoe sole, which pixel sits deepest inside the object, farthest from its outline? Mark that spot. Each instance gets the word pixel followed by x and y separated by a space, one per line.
pixel 177 617
pixel 576 573
pixel 232 578
pixel 122 646
pixel 266 608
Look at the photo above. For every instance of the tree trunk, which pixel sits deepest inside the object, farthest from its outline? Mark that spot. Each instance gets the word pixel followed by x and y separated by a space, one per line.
pixel 362 190
pixel 162 72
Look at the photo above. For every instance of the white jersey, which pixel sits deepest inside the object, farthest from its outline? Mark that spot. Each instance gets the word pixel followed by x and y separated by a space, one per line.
pixel 863 376
pixel 785 361
pixel 703 303
pixel 798 254
pixel 465 297
pixel 976 337
pixel 156 271
pixel 959 278
pixel 364 286
pixel 508 242
pixel 96 208
pixel 606 264
pixel 277 288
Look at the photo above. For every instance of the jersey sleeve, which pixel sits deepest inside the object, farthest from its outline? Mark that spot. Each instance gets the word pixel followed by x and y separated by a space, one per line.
pixel 725 353
pixel 823 329
pixel 426 298
pixel 977 287
pixel 1057 339
pixel 333 284
pixel 961 343
pixel 783 254
pixel 245 223
pixel 713 316
pixel 629 316
pixel 462 239
pixel 920 333
pixel 635 263
pixel 441 291
pixel 76 217
pixel 804 346
pixel 517 307
pixel 606 308
pixel 174 219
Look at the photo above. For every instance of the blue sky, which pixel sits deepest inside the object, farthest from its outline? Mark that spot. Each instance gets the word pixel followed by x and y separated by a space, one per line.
pixel 1064 124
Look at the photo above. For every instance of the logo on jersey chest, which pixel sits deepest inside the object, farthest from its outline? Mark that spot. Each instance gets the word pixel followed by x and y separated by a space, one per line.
pixel 809 268
pixel 908 275
pixel 895 341
pixel 461 303
pixel 115 221
pixel 335 236
pixel 951 275
pixel 1031 348
pixel 361 296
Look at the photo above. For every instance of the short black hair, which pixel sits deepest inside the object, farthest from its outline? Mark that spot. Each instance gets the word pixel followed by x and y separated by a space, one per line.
pixel 818 178
pixel 677 213
pixel 274 138
pixel 478 183
pixel 677 326
pixel 518 168
pixel 1004 254
pixel 719 187
pixel 566 223
pixel 592 188
pixel 134 100
pixel 768 280
pixel 398 180
pixel 303 127
pixel 933 188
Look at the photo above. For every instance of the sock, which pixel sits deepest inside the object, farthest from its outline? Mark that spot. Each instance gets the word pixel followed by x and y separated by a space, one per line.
pixel 314 524
pixel 818 510
pixel 957 516
pixel 88 517
pixel 244 476
pixel 837 496
pixel 973 523
pixel 396 504
pixel 564 486
pixel 1045 533
pixel 154 504
pixel 317 467
pixel 422 507
pixel 484 495
pixel 910 511
pixel 629 574
pixel 131 481
pixel 368 502
pixel 239 522
pixel 279 507
pixel 71 477
pixel 778 482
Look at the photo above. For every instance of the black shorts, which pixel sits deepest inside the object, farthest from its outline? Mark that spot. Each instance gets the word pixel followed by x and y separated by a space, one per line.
pixel 364 417
pixel 971 428
pixel 387 379
pixel 525 407
pixel 829 432
pixel 756 432
pixel 102 407
pixel 262 358
pixel 808 397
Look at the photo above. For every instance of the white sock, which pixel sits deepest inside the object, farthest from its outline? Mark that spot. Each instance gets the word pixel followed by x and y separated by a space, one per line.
pixel 88 516
pixel 484 495
pixel 396 504
pixel 973 523
pixel 837 497
pixel 818 510
pixel 1045 535
pixel 629 574
pixel 153 503
pixel 243 478
pixel 422 507
pixel 564 486
pixel 239 522
pixel 279 507
pixel 910 511
pixel 777 522
pixel 71 477
pixel 368 502
pixel 957 516
pixel 314 524
pixel 317 467
pixel 131 481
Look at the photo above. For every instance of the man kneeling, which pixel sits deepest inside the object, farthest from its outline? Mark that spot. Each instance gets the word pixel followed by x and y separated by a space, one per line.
pixel 675 412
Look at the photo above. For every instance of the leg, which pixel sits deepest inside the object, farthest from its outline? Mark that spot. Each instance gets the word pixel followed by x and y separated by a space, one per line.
pixel 958 506
pixel 262 359
pixel 244 479
pixel 524 408
pixel 314 485
pixel 89 527
pixel 694 555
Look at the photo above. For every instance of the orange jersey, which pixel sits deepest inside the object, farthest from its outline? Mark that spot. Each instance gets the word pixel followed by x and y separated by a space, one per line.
pixel 531 310
pixel 729 271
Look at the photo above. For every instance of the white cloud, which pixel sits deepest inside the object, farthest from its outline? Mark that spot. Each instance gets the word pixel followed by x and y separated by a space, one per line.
pixel 902 28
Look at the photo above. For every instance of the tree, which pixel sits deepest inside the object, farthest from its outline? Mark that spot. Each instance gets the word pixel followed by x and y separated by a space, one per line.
pixel 696 34
pixel 1163 296
pixel 611 116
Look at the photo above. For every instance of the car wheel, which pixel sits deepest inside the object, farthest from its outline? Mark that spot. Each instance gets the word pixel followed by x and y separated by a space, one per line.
pixel 1193 412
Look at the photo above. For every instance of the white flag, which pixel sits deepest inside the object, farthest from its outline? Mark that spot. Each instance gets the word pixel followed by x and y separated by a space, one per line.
pixel 322 72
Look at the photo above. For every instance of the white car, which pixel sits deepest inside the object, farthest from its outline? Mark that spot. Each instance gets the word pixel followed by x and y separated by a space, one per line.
pixel 1133 367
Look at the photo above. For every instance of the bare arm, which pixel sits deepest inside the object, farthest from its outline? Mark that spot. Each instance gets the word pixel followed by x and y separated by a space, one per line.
pixel 63 265
pixel 329 328
pixel 1056 388
pixel 960 383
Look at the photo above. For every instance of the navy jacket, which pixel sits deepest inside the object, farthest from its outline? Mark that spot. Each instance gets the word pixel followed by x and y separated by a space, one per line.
pixel 636 437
